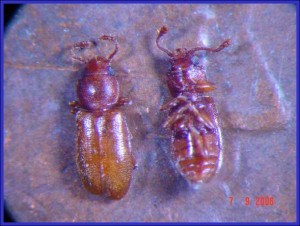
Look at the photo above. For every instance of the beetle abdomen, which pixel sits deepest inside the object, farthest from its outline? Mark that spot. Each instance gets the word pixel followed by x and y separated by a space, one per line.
pixel 104 158
pixel 196 140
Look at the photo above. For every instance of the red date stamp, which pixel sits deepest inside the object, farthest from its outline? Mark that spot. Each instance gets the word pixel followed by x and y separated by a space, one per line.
pixel 258 201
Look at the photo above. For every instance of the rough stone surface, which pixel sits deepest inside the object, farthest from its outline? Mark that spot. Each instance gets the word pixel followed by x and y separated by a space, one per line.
pixel 256 99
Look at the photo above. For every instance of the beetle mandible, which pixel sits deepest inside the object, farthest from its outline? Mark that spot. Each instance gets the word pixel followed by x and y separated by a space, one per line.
pixel 196 141
pixel 103 143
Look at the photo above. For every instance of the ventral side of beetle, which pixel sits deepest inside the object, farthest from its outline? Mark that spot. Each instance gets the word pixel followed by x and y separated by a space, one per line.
pixel 196 140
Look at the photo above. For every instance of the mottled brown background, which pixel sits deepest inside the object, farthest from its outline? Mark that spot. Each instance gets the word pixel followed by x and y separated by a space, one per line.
pixel 256 98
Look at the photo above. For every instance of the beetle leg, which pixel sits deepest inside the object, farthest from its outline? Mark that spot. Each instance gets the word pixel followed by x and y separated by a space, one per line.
pixel 175 116
pixel 134 163
pixel 203 101
pixel 123 101
pixel 172 120
pixel 201 117
pixel 173 103
pixel 207 87
pixel 168 105
pixel 74 106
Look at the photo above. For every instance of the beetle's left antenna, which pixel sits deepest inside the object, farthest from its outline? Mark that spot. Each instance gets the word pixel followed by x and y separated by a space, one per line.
pixel 81 45
pixel 225 44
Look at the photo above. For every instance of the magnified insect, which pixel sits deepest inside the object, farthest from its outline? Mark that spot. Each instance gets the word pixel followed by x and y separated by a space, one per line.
pixel 196 137
pixel 103 143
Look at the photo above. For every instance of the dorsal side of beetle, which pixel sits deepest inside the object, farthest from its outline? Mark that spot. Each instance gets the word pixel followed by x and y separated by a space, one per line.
pixel 196 141
pixel 103 144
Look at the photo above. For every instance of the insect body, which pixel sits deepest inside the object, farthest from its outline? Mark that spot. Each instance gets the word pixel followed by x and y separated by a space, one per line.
pixel 196 138
pixel 103 152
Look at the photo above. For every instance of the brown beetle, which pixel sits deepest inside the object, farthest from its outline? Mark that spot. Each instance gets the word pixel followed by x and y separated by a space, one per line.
pixel 196 136
pixel 103 152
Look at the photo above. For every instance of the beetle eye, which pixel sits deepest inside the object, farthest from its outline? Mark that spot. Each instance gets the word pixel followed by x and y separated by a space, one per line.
pixel 111 71
pixel 195 60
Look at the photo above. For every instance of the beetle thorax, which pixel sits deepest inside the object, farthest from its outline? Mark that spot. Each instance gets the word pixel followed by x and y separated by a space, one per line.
pixel 98 91
pixel 184 74
pixel 100 66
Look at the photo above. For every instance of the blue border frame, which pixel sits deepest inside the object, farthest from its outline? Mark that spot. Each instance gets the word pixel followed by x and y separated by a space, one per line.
pixel 2 119
pixel 297 116
pixel 151 2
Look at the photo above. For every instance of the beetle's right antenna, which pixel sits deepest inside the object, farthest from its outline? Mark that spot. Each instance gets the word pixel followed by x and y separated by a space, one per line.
pixel 110 38
pixel 163 30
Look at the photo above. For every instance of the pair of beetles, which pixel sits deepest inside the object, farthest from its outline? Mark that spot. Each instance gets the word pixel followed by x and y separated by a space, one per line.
pixel 103 143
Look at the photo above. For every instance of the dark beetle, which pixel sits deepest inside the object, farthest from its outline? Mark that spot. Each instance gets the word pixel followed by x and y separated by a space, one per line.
pixel 103 152
pixel 196 136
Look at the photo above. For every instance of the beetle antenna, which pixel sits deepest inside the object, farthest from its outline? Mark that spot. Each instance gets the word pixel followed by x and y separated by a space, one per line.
pixel 80 46
pixel 110 38
pixel 225 44
pixel 162 31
